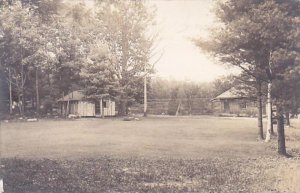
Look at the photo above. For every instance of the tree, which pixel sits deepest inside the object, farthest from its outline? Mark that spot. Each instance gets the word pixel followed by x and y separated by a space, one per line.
pixel 39 47
pixel 250 32
pixel 175 102
pixel 286 94
pixel 223 84
pixel 191 91
pixel 45 46
pixel 98 75
pixel 124 25
pixel 4 96
pixel 74 37
pixel 18 26
pixel 160 89
pixel 44 56
pixel 38 43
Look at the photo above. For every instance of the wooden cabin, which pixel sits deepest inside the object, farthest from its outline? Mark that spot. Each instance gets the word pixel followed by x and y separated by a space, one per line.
pixel 234 102
pixel 75 103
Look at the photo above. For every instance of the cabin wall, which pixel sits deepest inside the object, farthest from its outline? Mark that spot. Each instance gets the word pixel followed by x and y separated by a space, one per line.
pixel 217 106
pixel 109 108
pixel 87 108
pixel 78 108
pixel 239 107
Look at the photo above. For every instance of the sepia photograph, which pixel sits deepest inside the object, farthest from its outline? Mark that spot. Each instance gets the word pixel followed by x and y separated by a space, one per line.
pixel 198 96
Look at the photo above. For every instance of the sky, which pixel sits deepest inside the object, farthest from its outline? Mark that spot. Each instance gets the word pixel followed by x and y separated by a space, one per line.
pixel 178 22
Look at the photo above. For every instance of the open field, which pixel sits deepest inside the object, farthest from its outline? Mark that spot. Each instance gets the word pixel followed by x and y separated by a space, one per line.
pixel 202 137
pixel 200 154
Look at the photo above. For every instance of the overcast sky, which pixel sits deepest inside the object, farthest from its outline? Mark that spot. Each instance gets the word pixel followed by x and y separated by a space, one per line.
pixel 178 22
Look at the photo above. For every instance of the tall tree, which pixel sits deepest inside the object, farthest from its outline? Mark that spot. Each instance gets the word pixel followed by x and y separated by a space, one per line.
pixel 40 47
pixel 125 27
pixel 249 33
pixel 286 94
pixel 18 27
pixel 98 74
pixel 75 35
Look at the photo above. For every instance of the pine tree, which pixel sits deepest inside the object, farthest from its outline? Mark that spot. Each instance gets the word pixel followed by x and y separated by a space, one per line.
pixel 249 34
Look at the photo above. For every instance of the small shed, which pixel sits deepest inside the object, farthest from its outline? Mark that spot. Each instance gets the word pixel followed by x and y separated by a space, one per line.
pixel 76 103
pixel 235 101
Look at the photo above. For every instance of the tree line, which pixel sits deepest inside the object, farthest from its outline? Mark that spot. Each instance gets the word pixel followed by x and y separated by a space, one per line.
pixel 49 48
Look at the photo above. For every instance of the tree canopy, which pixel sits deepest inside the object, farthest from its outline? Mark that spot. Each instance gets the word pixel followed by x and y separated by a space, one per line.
pixel 262 39
pixel 49 48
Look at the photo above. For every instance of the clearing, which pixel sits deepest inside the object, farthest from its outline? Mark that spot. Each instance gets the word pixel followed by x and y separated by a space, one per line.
pixel 178 154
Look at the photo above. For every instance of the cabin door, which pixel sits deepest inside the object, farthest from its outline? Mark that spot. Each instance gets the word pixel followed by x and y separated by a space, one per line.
pixel 226 107
pixel 97 108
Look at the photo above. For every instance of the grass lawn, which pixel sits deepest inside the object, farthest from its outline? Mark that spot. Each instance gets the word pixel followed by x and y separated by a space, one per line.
pixel 195 154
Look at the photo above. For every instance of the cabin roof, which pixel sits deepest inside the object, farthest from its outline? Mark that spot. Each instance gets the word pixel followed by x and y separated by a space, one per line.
pixel 233 93
pixel 73 96
pixel 79 95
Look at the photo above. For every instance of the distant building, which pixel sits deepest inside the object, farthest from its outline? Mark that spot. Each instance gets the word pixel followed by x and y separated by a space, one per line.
pixel 75 103
pixel 235 102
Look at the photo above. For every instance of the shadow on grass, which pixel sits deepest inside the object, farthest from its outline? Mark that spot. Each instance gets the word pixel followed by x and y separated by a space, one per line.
pixel 131 175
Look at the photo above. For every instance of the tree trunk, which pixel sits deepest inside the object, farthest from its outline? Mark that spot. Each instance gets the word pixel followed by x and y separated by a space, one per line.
pixel 68 106
pixel 145 95
pixel 19 104
pixel 287 117
pixel 124 62
pixel 272 126
pixel 22 98
pixel 101 108
pixel 178 108
pixel 10 92
pixel 270 118
pixel 190 105
pixel 37 92
pixel 259 108
pixel 122 107
pixel 32 102
pixel 22 91
pixel 269 113
pixel 281 135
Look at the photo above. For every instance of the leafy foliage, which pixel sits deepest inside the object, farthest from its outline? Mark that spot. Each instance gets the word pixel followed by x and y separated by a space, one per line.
pixel 251 35
pixel 250 32
pixel 49 48
pixel 125 28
